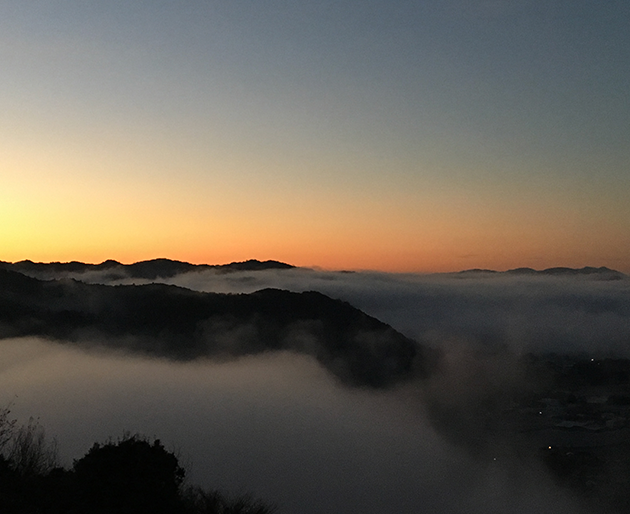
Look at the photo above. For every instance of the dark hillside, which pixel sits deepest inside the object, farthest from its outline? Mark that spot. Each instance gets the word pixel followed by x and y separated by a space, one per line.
pixel 178 323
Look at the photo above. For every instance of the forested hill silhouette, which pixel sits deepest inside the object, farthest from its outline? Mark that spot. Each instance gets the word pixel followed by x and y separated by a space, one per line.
pixel 178 323
pixel 151 269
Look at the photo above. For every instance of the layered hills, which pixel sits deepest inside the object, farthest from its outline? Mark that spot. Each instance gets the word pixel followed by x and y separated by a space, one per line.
pixel 179 323
pixel 167 268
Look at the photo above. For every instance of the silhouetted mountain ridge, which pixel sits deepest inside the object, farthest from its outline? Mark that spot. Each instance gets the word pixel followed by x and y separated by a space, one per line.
pixel 150 269
pixel 602 272
pixel 167 268
pixel 179 323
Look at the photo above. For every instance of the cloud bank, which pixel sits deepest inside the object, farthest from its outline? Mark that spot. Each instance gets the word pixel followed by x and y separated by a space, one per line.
pixel 561 313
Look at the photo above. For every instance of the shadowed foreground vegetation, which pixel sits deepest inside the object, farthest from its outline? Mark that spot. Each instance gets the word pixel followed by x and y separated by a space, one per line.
pixel 132 475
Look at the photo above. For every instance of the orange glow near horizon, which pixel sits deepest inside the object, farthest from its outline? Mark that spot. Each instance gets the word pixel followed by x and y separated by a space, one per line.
pixel 70 215
pixel 428 257
pixel 91 221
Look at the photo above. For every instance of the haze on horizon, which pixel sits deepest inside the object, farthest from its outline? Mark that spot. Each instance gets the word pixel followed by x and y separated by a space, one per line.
pixel 396 136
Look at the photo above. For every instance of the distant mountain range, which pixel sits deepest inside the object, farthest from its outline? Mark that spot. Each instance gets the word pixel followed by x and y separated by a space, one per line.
pixel 150 270
pixel 179 323
pixel 601 272
pixel 166 268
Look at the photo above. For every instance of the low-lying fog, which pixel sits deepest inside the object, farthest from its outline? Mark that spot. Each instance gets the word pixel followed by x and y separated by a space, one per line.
pixel 275 425
pixel 281 427
pixel 521 312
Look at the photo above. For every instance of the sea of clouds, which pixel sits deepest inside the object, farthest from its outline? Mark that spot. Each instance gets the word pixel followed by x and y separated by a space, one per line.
pixel 280 426
pixel 523 313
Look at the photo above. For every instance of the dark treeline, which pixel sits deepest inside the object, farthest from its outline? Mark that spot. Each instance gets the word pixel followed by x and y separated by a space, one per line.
pixel 132 475
pixel 178 323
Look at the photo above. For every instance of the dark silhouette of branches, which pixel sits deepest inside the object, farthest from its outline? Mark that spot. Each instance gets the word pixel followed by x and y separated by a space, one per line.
pixel 29 452
pixel 7 428
pixel 200 501
pixel 133 475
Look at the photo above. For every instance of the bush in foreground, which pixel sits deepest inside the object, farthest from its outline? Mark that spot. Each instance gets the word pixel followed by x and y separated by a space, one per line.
pixel 130 476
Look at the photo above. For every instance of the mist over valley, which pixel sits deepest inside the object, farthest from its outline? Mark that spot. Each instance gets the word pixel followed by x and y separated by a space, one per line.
pixel 377 393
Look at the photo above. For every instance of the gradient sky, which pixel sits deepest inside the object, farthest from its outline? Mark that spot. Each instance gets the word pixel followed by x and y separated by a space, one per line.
pixel 395 135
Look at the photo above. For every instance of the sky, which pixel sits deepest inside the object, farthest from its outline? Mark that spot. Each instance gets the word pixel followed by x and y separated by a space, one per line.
pixel 394 136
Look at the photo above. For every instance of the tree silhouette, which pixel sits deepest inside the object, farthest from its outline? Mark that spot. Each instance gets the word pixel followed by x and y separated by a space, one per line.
pixel 129 477
pixel 29 452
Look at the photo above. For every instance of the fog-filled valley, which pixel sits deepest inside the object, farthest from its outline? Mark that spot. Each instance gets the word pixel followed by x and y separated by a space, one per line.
pixel 275 425
pixel 562 310
pixel 313 405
